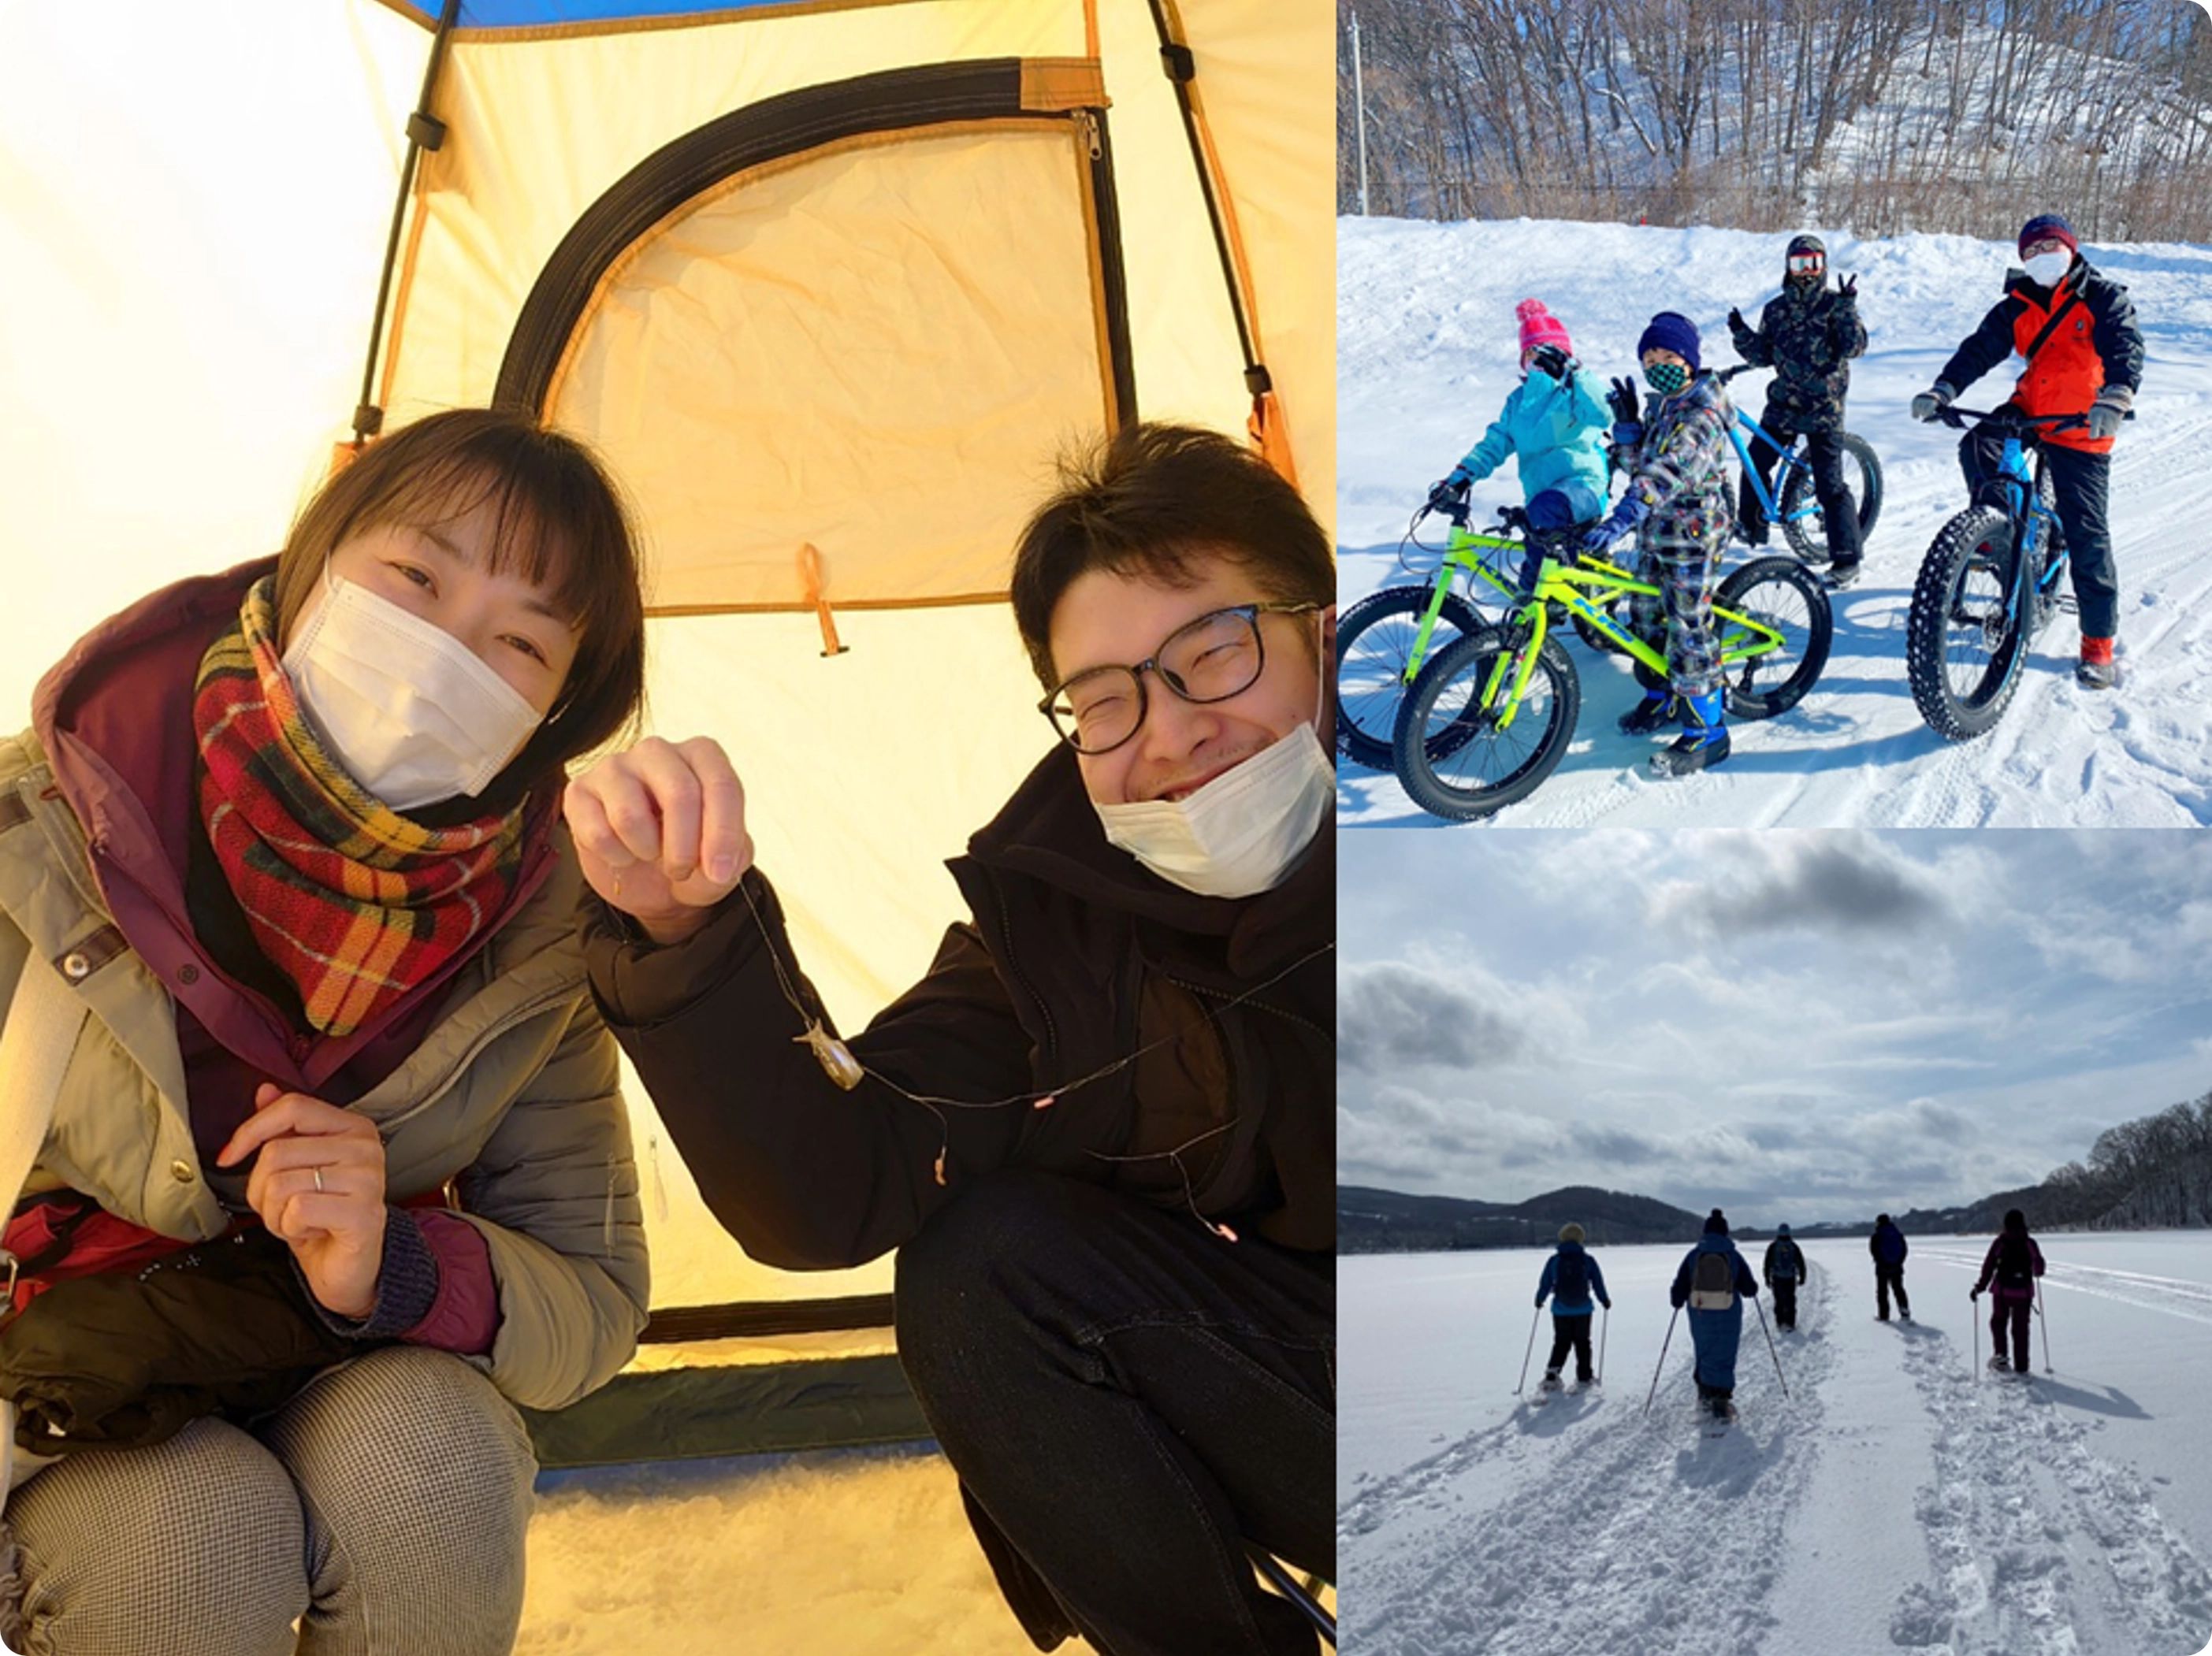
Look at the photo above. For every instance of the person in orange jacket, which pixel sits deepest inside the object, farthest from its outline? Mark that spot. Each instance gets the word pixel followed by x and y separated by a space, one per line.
pixel 2077 329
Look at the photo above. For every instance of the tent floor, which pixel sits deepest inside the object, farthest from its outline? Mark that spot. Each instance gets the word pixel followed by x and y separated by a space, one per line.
pixel 859 1552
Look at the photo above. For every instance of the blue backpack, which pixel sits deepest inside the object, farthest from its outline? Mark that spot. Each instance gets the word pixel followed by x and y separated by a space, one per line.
pixel 1571 1283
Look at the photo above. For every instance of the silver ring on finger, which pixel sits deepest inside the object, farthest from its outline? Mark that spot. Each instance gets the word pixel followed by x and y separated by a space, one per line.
pixel 318 1181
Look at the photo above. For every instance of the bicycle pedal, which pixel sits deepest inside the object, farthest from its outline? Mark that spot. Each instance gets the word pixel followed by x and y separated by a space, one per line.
pixel 2067 604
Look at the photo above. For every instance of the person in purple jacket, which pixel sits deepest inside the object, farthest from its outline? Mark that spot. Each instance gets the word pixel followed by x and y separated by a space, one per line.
pixel 2009 1273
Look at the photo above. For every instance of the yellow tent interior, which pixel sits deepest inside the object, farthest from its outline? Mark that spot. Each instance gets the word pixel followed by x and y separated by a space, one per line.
pixel 829 283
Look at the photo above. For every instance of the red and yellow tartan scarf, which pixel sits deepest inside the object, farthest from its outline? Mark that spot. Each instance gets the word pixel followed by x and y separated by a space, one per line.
pixel 353 902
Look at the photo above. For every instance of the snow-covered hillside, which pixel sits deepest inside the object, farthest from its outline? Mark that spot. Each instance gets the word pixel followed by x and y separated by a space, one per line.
pixel 1898 1499
pixel 1426 353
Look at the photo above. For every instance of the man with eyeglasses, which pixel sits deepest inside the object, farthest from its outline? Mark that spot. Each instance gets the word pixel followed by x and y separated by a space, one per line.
pixel 1116 1289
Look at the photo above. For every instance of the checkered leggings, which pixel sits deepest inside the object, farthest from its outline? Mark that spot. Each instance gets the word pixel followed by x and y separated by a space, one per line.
pixel 1682 567
pixel 381 1511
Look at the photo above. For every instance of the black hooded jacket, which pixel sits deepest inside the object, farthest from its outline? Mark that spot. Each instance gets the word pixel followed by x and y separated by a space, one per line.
pixel 1808 334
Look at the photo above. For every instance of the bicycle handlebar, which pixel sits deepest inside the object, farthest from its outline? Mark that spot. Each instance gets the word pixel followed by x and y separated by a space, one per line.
pixel 1954 416
pixel 1726 374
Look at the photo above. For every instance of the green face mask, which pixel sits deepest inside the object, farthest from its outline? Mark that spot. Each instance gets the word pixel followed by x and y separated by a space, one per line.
pixel 1667 378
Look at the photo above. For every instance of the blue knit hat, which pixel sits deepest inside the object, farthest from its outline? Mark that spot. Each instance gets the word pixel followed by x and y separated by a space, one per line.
pixel 1670 330
pixel 2041 227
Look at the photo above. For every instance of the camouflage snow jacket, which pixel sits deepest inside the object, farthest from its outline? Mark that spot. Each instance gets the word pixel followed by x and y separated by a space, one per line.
pixel 1808 338
pixel 1680 471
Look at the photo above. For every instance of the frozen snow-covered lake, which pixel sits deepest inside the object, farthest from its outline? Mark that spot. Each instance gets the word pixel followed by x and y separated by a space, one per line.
pixel 1898 1501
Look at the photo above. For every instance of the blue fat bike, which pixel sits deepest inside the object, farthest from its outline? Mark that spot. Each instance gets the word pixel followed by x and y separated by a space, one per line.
pixel 1798 512
pixel 1990 582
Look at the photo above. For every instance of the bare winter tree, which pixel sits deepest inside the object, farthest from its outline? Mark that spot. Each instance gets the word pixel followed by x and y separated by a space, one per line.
pixel 1888 115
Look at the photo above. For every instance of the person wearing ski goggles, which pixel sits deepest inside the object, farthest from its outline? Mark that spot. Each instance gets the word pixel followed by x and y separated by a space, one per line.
pixel 1808 334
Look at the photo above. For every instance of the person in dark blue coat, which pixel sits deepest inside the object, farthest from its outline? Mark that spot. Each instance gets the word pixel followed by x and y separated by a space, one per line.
pixel 1571 1281
pixel 1714 1282
pixel 1889 1248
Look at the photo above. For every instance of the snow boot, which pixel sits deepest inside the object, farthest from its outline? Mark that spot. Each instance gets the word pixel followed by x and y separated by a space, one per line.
pixel 2100 667
pixel 1703 743
pixel 2000 1364
pixel 1654 713
pixel 1841 575
pixel 1551 1382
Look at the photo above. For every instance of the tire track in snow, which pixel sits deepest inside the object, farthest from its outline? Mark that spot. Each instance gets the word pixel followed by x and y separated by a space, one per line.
pixel 1436 1561
pixel 2041 1546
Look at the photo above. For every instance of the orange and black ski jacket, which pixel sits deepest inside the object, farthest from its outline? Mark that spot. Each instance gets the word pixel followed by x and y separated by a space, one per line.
pixel 2096 343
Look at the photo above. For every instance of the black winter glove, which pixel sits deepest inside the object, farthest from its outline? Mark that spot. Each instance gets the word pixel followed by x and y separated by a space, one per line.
pixel 1736 323
pixel 1627 407
pixel 1449 493
pixel 1551 361
pixel 1849 292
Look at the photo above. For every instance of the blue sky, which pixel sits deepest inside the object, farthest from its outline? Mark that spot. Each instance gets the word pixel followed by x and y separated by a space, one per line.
pixel 1798 1025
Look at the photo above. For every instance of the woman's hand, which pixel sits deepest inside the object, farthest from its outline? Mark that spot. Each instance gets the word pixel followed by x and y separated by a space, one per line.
pixel 318 1186
pixel 660 832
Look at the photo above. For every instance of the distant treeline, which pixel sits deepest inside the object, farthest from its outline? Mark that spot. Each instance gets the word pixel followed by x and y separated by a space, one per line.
pixel 2152 1173
pixel 1370 1220
pixel 1885 116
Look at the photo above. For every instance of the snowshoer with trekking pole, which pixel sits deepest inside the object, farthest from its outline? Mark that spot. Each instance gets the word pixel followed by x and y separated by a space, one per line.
pixel 2009 1273
pixel 1571 1281
pixel 1783 1268
pixel 1887 1246
pixel 1714 1282
pixel 1553 426
pixel 1675 453
pixel 2077 329
pixel 1808 334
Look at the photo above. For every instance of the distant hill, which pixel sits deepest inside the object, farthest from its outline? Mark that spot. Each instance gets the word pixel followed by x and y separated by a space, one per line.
pixel 1372 1221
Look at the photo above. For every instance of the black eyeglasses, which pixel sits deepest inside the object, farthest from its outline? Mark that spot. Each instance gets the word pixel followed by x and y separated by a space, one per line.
pixel 1217 656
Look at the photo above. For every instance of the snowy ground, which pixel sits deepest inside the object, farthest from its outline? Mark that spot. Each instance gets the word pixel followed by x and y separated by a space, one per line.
pixel 1426 353
pixel 854 1552
pixel 1897 1500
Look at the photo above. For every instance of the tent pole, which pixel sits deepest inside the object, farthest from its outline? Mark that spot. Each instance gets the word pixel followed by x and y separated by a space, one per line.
pixel 424 132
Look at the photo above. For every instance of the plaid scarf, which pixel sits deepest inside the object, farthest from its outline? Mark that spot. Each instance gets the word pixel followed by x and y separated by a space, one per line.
pixel 353 903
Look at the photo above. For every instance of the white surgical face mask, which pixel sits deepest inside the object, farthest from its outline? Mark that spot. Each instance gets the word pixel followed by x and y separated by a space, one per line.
pixel 1239 834
pixel 410 712
pixel 2046 269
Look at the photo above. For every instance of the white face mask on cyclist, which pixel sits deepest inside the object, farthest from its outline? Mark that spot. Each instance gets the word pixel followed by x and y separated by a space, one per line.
pixel 2048 269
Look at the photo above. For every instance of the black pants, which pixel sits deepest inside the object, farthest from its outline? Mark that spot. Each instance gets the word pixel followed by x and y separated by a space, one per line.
pixel 1572 1334
pixel 1889 1279
pixel 1785 1303
pixel 2014 1312
pixel 1128 1399
pixel 1824 449
pixel 2081 487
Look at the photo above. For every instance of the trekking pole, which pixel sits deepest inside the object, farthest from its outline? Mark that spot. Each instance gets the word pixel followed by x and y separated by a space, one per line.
pixel 1663 1345
pixel 2045 1316
pixel 1604 1326
pixel 1770 1351
pixel 1977 1300
pixel 1530 1352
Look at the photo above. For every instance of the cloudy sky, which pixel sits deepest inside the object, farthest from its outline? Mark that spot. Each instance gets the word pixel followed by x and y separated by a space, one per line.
pixel 1797 1026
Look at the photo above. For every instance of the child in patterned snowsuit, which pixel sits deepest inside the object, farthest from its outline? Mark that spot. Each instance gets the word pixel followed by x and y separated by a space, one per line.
pixel 1680 505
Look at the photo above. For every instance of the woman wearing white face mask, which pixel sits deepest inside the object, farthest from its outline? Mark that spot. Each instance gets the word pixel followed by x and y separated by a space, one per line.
pixel 1116 1278
pixel 290 835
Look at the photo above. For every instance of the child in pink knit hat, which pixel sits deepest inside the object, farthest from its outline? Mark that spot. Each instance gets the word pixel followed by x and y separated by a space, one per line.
pixel 1554 424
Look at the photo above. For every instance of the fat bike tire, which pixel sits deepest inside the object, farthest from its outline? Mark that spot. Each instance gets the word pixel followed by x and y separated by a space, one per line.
pixel 1453 763
pixel 1961 654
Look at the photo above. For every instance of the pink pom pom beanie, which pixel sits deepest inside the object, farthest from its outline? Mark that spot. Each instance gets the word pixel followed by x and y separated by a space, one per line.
pixel 1539 327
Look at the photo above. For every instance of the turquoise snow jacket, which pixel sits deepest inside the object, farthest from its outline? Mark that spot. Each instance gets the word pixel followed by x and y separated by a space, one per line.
pixel 1557 432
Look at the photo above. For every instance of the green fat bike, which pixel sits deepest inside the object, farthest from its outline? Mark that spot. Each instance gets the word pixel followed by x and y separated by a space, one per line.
pixel 1487 715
